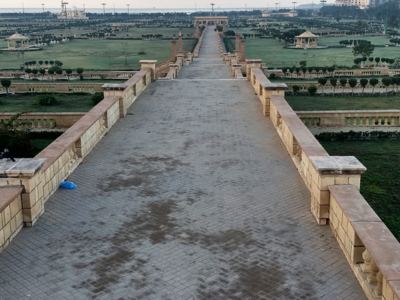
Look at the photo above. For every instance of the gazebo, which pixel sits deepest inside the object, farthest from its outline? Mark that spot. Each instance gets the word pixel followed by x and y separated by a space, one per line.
pixel 17 42
pixel 306 40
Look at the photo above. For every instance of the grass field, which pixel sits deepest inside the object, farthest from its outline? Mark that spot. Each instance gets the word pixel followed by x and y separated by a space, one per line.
pixel 27 103
pixel 273 53
pixel 338 102
pixel 97 54
pixel 380 185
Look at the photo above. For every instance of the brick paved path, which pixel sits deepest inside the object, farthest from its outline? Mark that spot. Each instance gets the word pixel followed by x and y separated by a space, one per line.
pixel 191 196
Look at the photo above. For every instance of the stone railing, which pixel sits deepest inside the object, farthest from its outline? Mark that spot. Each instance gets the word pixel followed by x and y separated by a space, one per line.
pixel 334 183
pixel 11 220
pixel 54 164
pixel 199 42
pixel 43 87
pixel 42 120
pixel 370 248
pixel 85 74
pixel 163 68
pixel 350 118
pixel 328 88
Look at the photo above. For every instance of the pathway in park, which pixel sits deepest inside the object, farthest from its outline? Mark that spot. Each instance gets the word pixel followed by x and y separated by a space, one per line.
pixel 191 196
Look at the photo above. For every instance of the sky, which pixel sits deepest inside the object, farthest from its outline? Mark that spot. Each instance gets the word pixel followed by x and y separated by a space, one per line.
pixel 153 3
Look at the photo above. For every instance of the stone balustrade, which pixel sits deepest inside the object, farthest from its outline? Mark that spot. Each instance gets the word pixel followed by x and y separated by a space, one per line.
pixel 42 120
pixel 370 248
pixel 85 74
pixel 199 43
pixel 11 220
pixel 334 183
pixel 40 177
pixel 43 87
pixel 163 68
pixel 353 118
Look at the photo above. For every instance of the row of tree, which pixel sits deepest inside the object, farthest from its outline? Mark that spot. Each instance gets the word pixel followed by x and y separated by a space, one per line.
pixel 359 60
pixel 53 70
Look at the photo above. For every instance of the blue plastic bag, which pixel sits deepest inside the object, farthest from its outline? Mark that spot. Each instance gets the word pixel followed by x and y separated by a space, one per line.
pixel 68 185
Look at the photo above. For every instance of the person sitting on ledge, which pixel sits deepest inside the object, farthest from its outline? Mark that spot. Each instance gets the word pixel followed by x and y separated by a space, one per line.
pixel 7 154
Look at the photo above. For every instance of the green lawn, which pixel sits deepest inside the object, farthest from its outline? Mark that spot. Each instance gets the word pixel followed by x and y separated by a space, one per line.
pixel 380 185
pixel 273 53
pixel 97 54
pixel 307 103
pixel 27 103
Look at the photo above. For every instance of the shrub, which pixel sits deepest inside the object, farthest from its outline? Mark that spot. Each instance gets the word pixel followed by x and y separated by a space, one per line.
pixel 96 98
pixel 46 100
pixel 272 76
pixel 141 52
pixel 312 90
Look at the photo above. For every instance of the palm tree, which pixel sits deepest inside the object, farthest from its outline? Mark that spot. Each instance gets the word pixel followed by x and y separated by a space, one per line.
pixel 363 83
pixel 322 81
pixel 343 82
pixel 352 83
pixel 333 82
pixel 373 82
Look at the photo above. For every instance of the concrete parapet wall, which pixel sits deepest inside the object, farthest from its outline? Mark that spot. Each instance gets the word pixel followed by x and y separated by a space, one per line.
pixel 62 156
pixel 11 220
pixel 353 118
pixel 334 183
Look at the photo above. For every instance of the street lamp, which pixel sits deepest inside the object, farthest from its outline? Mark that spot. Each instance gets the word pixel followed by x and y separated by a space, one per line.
pixel 104 8
pixel 323 2
pixel 276 6
pixel 294 5
pixel 84 8
pixel 43 7
pixel 212 9
pixel 128 8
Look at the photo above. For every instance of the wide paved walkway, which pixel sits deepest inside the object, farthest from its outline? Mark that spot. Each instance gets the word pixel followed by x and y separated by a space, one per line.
pixel 191 196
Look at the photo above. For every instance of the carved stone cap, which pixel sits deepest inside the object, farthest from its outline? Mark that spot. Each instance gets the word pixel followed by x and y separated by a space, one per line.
pixel 337 165
pixel 114 86
pixel 147 61
pixel 24 167
pixel 253 61
pixel 274 86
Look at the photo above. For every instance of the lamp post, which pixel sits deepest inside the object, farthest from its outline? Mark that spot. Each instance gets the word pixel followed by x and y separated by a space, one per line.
pixel 294 5
pixel 323 2
pixel 43 7
pixel 104 8
pixel 128 8
pixel 245 7
pixel 212 9
pixel 84 8
pixel 276 6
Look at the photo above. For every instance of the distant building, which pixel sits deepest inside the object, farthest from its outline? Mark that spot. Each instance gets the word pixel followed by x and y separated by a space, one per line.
pixel 359 3
pixel 289 14
pixel 71 14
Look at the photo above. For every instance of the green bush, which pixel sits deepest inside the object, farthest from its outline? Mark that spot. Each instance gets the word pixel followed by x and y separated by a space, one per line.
pixel 96 98
pixel 312 90
pixel 142 53
pixel 46 100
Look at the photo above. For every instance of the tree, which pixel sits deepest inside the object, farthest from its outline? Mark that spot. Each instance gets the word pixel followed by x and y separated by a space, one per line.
pixel 96 98
pixel 40 62
pixel 58 63
pixel 34 71
pixel 377 60
pixel 312 90
pixel 322 81
pixel 297 72
pixel 363 48
pixel 42 72
pixel 59 71
pixel 303 63
pixel 6 83
pixel 352 83
pixel 333 82
pixel 46 100
pixel 304 70
pixel 69 72
pixel 284 71
pixel 51 62
pixel 80 72
pixel 357 61
pixel 371 59
pixel 363 83
pixel 395 81
pixel 373 82
pixel 28 71
pixel 343 82
pixel 386 81
pixel 295 89
pixel 51 71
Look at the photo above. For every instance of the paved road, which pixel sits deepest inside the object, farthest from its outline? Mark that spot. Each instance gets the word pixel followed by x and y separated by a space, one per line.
pixel 192 196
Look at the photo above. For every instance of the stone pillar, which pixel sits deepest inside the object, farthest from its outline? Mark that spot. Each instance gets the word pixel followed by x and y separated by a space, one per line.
pixel 173 44
pixel 236 67
pixel 116 89
pixel 237 50
pixel 196 34
pixel 242 50
pixel 252 63
pixel 180 51
pixel 149 64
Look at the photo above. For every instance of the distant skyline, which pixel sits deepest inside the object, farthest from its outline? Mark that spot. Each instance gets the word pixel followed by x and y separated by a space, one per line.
pixel 159 4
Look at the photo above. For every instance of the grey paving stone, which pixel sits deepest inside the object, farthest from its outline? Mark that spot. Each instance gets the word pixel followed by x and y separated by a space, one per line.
pixel 191 196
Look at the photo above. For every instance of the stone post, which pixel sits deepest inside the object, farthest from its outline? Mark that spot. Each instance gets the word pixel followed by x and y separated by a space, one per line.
pixel 116 89
pixel 179 59
pixel 236 67
pixel 149 64
pixel 242 50
pixel 237 50
pixel 196 34
pixel 173 44
pixel 180 51
pixel 252 63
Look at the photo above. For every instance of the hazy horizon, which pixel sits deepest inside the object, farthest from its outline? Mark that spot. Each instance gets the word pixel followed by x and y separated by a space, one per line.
pixel 158 4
